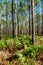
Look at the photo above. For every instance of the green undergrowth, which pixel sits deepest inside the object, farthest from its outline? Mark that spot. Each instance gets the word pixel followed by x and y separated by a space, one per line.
pixel 24 41
pixel 28 57
pixel 16 42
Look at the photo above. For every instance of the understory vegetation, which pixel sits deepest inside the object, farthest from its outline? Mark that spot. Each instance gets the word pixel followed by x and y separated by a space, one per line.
pixel 26 53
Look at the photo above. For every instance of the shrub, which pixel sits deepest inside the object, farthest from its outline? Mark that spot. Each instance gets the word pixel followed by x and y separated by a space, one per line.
pixel 17 43
pixel 3 44
pixel 10 43
pixel 31 51
pixel 26 39
pixel 21 58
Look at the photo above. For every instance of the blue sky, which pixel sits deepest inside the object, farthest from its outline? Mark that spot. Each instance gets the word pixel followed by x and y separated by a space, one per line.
pixel 18 0
pixel 1 0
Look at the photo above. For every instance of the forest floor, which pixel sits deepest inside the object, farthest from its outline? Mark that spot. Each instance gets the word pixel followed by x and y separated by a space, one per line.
pixel 9 56
pixel 13 60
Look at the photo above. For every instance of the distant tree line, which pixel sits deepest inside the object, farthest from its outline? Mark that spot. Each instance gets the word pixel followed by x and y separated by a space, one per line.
pixel 21 17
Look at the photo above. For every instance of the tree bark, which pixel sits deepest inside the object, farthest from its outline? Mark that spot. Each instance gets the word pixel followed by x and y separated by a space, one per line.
pixel 42 17
pixel 7 21
pixel 29 18
pixel 16 29
pixel 0 25
pixel 13 11
pixel 33 22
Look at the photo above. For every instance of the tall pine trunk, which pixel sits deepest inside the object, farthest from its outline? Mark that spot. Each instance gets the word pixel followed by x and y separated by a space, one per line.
pixel 0 24
pixel 33 22
pixel 17 18
pixel 42 17
pixel 29 18
pixel 7 21
pixel 16 25
pixel 14 17
pixel 13 11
